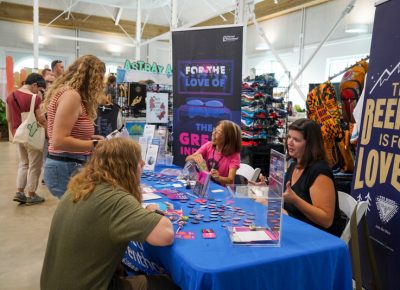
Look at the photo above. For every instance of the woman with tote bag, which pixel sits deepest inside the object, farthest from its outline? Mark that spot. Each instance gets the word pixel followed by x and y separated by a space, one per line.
pixel 30 159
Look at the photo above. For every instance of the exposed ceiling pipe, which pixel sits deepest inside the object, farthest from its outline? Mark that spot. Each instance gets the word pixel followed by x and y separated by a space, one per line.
pixel 62 13
pixel 214 9
pixel 85 39
pixel 69 10
pixel 262 34
pixel 130 4
pixel 346 11
pixel 144 23
pixel 123 30
pixel 166 35
pixel 118 17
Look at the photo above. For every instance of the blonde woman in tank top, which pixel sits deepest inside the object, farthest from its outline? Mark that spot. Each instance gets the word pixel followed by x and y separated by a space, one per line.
pixel 71 105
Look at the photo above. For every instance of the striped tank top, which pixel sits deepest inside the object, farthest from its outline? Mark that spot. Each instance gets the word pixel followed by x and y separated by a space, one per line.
pixel 83 128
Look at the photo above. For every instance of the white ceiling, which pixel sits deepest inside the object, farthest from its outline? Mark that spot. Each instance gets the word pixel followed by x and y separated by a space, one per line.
pixel 155 11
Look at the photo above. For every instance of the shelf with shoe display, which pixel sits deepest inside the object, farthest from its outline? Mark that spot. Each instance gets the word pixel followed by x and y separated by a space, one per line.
pixel 264 120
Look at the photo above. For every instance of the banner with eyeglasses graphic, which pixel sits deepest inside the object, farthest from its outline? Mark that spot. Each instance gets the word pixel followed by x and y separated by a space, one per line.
pixel 206 84
pixel 377 176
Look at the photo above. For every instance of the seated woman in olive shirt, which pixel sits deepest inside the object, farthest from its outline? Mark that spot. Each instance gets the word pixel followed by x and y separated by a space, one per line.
pixel 97 217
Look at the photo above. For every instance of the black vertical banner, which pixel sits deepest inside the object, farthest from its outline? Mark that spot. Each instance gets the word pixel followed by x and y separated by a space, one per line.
pixel 207 79
pixel 377 175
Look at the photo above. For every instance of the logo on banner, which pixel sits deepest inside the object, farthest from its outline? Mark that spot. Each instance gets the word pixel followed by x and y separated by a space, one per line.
pixel 387 208
pixel 229 38
pixel 385 76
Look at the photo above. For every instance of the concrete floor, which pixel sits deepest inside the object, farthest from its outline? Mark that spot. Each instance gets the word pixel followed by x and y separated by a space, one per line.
pixel 23 229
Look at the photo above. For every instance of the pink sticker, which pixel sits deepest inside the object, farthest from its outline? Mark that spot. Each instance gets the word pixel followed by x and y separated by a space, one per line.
pixel 185 235
pixel 200 200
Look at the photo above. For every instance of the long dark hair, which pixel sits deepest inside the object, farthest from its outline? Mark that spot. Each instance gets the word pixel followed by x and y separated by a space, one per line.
pixel 314 150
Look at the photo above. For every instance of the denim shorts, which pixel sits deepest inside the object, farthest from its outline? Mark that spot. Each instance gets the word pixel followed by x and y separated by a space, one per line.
pixel 58 173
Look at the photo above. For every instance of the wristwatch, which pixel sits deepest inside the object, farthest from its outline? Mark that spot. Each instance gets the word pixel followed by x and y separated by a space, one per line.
pixel 95 142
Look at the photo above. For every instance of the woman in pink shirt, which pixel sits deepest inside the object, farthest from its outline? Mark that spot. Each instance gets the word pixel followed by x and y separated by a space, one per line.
pixel 222 153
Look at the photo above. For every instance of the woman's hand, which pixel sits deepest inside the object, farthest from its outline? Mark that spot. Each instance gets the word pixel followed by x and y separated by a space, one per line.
pixel 261 182
pixel 201 163
pixel 97 137
pixel 263 201
pixel 214 174
pixel 289 195
pixel 198 158
pixel 152 207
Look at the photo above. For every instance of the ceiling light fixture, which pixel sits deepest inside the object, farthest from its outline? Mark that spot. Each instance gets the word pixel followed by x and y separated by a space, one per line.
pixel 356 28
pixel 262 46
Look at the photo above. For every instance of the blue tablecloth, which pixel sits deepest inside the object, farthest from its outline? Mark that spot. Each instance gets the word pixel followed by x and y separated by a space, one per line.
pixel 308 258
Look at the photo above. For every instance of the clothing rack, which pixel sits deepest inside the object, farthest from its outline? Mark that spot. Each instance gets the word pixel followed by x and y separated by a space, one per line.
pixel 346 69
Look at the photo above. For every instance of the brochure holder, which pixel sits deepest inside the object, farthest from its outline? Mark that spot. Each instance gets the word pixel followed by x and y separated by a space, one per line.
pixel 189 172
pixel 151 157
pixel 261 223
pixel 202 184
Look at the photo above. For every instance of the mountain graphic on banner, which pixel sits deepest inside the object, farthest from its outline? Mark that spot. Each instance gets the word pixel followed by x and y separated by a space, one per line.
pixel 385 76
pixel 387 208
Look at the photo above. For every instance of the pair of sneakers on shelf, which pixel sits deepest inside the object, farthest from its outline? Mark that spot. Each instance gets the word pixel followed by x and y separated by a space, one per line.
pixel 27 200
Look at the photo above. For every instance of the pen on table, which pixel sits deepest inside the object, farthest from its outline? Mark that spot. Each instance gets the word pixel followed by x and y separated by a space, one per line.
pixel 192 195
pixel 160 212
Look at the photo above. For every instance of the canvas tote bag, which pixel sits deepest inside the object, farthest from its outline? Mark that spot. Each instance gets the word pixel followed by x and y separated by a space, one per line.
pixel 30 132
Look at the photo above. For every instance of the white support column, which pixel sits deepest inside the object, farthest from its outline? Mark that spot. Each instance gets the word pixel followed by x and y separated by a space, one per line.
pixel 174 14
pixel 302 37
pixel 241 17
pixel 35 35
pixel 246 8
pixel 138 29
pixel 77 44
pixel 174 22
pixel 239 11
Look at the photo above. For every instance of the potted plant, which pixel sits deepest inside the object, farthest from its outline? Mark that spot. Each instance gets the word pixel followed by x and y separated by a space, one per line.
pixel 3 121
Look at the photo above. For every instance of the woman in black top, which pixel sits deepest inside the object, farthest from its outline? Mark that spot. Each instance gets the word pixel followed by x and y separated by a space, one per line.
pixel 311 194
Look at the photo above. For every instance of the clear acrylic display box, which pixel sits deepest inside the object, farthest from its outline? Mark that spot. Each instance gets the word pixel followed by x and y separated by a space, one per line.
pixel 257 214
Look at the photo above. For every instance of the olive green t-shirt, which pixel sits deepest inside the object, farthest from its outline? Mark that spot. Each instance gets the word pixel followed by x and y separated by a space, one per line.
pixel 87 239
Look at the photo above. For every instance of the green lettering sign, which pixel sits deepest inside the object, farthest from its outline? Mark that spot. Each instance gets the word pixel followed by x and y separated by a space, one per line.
pixel 168 70
pixel 140 65
pixel 127 64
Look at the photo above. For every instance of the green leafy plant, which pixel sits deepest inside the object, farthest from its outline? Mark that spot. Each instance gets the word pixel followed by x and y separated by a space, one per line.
pixel 3 121
pixel 299 109
pixel 3 118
